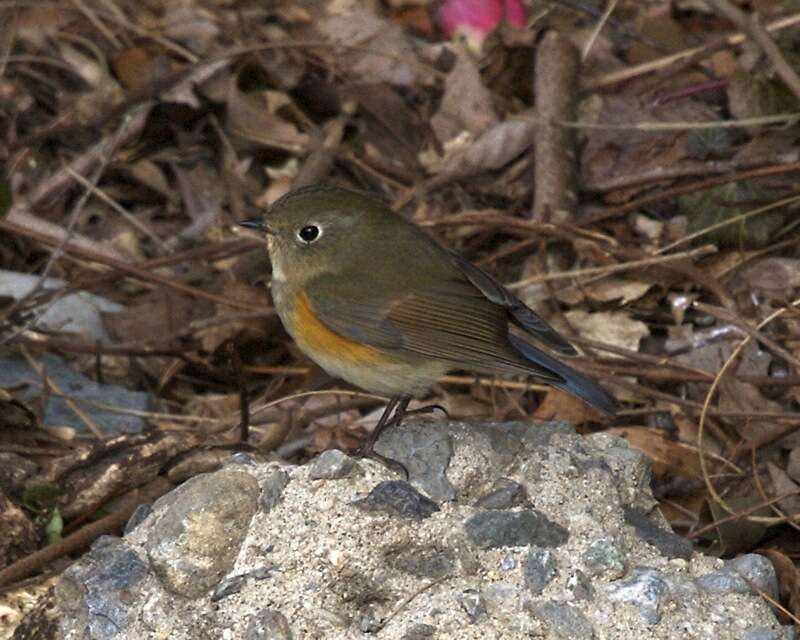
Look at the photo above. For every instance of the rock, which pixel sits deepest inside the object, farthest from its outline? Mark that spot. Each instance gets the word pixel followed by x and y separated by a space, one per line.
pixel 332 464
pixel 200 528
pixel 472 604
pixel 604 558
pixel 540 569
pixel 419 632
pixel 670 544
pixel 96 593
pixel 579 585
pixel 272 489
pixel 462 572
pixel 397 498
pixel 737 576
pixel 425 452
pixel 268 624
pixel 564 620
pixel 504 495
pixel 761 633
pixel 645 588
pixel 493 529
pixel 16 372
pixel 228 587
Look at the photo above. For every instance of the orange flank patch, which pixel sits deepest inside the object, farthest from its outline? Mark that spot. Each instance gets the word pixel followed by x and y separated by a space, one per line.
pixel 318 340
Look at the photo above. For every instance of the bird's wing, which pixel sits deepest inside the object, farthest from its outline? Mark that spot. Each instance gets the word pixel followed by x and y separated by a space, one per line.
pixel 520 314
pixel 455 323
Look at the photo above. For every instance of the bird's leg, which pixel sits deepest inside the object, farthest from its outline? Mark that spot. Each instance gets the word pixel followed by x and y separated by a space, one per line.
pixel 391 416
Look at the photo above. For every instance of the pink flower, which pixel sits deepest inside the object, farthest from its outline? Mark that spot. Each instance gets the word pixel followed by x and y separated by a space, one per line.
pixel 477 18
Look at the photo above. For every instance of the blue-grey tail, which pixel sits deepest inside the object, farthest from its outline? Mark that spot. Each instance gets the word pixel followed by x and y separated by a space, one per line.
pixel 573 383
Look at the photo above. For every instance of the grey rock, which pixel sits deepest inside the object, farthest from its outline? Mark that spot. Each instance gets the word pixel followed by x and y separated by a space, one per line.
pixel 669 544
pixel 79 312
pixel 15 372
pixel 138 516
pixel 493 529
pixel 332 464
pixel 737 576
pixel 645 588
pixel 397 498
pixel 243 458
pixel 508 563
pixel 419 632
pixel 228 587
pixel 501 595
pixel 504 495
pixel 472 603
pixel 604 558
pixel 268 624
pixel 760 633
pixel 200 530
pixel 96 593
pixel 272 489
pixel 511 438
pixel 425 452
pixel 564 620
pixel 580 586
pixel 540 569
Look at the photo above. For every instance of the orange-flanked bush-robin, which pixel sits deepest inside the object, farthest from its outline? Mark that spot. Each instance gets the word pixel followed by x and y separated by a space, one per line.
pixel 373 300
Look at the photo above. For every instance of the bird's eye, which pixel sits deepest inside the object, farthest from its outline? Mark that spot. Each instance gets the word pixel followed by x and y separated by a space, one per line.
pixel 310 233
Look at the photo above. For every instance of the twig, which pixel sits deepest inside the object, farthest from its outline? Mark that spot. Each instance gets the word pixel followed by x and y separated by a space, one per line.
pixel 615 77
pixel 555 87
pixel 706 410
pixel 612 4
pixel 753 28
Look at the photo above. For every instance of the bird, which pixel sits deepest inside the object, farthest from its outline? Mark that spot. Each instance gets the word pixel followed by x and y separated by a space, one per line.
pixel 377 302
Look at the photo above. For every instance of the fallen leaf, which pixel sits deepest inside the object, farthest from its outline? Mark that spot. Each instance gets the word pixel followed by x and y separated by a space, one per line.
pixel 609 327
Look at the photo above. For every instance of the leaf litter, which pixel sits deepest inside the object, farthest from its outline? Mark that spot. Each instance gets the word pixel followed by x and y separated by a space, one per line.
pixel 652 218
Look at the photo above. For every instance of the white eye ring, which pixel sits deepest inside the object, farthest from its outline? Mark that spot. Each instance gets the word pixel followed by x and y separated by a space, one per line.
pixel 309 233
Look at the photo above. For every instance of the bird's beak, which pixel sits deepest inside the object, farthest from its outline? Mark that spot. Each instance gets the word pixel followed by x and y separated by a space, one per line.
pixel 256 225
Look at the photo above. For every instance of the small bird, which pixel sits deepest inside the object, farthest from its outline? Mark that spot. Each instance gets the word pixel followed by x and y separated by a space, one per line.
pixel 375 301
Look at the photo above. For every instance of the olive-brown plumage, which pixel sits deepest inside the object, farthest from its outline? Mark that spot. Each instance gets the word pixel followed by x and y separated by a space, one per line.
pixel 374 300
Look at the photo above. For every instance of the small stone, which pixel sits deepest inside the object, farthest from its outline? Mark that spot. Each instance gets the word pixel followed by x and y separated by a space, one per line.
pixel 645 588
pixel 332 464
pixel 96 595
pixel 508 563
pixel 668 543
pixel 262 573
pixel 504 495
pixel 228 587
pixel 580 586
pixel 737 576
pixel 564 620
pixel 272 489
pixel 200 528
pixel 493 529
pixel 540 569
pixel 604 558
pixel 425 453
pixel 243 458
pixel 138 516
pixel 268 624
pixel 419 632
pixel 472 603
pixel 397 498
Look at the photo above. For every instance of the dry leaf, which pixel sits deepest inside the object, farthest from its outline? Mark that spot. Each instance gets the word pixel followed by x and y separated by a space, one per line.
pixel 558 405
pixel 609 327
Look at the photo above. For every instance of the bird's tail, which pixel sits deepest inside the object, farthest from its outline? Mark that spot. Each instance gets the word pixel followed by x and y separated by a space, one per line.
pixel 573 383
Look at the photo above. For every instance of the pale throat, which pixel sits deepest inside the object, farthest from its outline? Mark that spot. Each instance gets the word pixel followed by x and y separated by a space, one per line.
pixel 278 274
